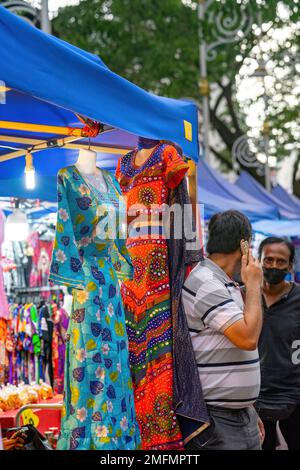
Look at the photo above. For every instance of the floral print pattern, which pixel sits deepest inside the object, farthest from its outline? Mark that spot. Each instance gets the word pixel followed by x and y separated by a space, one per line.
pixel 99 410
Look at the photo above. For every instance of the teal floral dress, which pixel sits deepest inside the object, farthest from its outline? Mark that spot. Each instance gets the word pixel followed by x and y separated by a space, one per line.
pixel 98 410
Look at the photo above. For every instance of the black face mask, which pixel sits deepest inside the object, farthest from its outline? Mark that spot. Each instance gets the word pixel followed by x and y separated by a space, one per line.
pixel 274 275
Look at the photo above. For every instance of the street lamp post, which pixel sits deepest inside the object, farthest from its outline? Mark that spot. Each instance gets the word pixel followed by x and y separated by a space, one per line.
pixel 266 136
pixel 45 22
pixel 203 85
pixel 261 73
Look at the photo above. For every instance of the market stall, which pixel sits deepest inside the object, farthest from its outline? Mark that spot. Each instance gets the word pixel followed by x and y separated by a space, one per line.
pixel 57 100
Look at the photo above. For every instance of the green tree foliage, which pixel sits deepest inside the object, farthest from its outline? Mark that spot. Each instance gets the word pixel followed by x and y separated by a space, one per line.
pixel 152 43
pixel 155 44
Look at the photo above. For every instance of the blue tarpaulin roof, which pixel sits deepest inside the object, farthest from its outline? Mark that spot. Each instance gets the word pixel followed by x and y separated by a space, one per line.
pixel 214 203
pixel 249 184
pixel 51 80
pixel 224 194
pixel 289 199
pixel 279 228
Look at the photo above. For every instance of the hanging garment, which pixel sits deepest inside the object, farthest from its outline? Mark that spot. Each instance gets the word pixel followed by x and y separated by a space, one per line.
pixel 43 260
pixel 98 405
pixel 21 263
pixel 3 299
pixel 33 241
pixel 147 297
pixel 39 262
pixel 29 252
pixel 46 333
pixel 10 344
pixel 60 324
pixel 3 355
pixel 188 397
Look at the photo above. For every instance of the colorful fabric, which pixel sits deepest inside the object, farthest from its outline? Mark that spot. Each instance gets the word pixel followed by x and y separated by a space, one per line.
pixel 3 299
pixel 147 296
pixel 22 344
pixel 61 323
pixel 188 397
pixel 98 403
pixel 39 267
pixel 3 356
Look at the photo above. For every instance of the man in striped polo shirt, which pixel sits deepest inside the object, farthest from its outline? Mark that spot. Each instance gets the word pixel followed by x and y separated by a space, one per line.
pixel 225 333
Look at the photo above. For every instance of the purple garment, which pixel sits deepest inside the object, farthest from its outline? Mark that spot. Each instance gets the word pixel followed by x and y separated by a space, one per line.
pixel 64 323
pixel 60 331
pixel 3 299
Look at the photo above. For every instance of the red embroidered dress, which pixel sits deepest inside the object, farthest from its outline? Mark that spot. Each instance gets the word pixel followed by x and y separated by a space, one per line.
pixel 147 297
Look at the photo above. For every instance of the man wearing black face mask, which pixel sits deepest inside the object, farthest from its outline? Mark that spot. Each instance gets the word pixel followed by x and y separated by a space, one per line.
pixel 279 399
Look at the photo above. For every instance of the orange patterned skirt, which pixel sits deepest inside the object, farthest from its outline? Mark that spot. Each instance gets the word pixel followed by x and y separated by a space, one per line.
pixel 149 327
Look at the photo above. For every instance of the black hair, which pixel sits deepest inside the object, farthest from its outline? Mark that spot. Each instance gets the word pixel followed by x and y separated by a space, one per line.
pixel 226 230
pixel 271 241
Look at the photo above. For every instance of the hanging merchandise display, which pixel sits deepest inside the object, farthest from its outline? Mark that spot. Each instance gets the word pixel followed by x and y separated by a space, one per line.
pixel 3 299
pixel 147 297
pixel 4 309
pixel 98 405
pixel 28 342
pixel 3 358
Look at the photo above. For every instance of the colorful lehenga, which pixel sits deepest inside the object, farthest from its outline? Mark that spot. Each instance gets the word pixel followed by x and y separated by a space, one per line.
pixel 147 296
pixel 98 408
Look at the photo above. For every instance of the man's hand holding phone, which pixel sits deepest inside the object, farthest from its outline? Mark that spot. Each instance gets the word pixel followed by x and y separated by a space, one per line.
pixel 251 271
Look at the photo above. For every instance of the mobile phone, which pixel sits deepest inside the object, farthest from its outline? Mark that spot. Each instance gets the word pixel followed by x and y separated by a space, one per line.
pixel 21 431
pixel 245 248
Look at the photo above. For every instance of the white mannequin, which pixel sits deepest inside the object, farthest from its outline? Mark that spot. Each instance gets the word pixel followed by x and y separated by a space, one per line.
pixel 87 165
pixel 86 162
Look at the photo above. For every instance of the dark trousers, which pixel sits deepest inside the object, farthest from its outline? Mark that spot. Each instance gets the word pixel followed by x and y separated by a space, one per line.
pixel 290 429
pixel 231 429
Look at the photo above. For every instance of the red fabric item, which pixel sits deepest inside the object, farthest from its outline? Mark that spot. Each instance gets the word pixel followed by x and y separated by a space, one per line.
pixel 146 297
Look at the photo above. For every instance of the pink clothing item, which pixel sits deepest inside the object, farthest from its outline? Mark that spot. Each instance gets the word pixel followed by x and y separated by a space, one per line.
pixel 3 298
pixel 42 253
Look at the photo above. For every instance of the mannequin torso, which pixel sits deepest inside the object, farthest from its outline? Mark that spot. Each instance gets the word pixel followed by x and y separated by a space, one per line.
pixel 87 165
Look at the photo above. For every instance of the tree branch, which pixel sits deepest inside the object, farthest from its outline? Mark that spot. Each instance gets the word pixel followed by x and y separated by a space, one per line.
pixel 228 96
pixel 219 99
pixel 221 157
pixel 225 133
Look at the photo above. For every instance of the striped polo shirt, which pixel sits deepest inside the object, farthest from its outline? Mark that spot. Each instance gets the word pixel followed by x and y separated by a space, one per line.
pixel 230 377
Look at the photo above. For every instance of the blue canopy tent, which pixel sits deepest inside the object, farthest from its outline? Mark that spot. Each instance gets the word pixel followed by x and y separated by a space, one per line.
pixel 214 203
pixel 280 228
pixel 249 184
pixel 224 195
pixel 50 87
pixel 289 199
